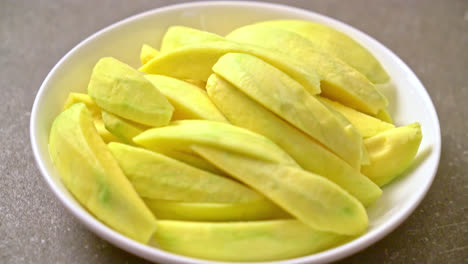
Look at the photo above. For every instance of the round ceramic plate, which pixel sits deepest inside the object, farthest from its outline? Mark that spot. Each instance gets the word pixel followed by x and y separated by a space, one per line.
pixel 409 102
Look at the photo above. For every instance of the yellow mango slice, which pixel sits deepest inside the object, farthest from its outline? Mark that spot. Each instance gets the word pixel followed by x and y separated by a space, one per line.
pixel 180 135
pixel 124 130
pixel 384 115
pixel 242 111
pixel 391 152
pixel 92 175
pixel 179 36
pixel 122 90
pixel 367 125
pixel 338 44
pixel 311 198
pixel 243 241
pixel 340 81
pixel 216 212
pixel 195 61
pixel 95 112
pixel 155 176
pixel 189 101
pixel 147 53
pixel 287 98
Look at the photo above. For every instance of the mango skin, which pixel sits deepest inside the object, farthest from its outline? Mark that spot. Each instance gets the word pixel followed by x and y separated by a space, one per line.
pixel 215 212
pixel 92 175
pixel 243 241
pixel 193 53
pixel 122 90
pixel 288 99
pixel 147 53
pixel 338 44
pixel 189 101
pixel 242 111
pixel 367 125
pixel 312 199
pixel 391 153
pixel 339 81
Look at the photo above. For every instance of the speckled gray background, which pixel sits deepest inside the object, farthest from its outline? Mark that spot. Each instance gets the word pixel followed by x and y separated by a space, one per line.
pixel 430 36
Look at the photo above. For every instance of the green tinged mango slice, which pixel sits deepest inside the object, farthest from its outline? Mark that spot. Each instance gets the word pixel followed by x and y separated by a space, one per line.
pixel 391 152
pixel 216 212
pixel 147 53
pixel 92 175
pixel 194 61
pixel 180 135
pixel 287 98
pixel 189 101
pixel 124 130
pixel 242 111
pixel 243 241
pixel 367 125
pixel 156 176
pixel 122 90
pixel 311 198
pixel 338 44
pixel 340 81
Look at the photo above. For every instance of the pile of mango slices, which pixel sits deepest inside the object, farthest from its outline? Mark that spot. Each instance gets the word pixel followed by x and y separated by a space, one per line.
pixel 263 145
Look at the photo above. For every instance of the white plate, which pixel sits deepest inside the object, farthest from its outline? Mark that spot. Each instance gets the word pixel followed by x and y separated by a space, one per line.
pixel 409 102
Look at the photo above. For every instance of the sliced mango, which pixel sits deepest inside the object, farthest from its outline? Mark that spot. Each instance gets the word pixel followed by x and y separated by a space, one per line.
pixel 243 241
pixel 179 36
pixel 124 130
pixel 384 115
pixel 391 152
pixel 147 53
pixel 210 212
pixel 340 81
pixel 156 176
pixel 338 44
pixel 92 175
pixel 242 111
pixel 180 135
pixel 194 61
pixel 122 90
pixel 287 98
pixel 189 101
pixel 312 199
pixel 367 125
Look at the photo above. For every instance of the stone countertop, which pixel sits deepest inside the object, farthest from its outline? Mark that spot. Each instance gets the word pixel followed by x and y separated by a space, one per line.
pixel 430 36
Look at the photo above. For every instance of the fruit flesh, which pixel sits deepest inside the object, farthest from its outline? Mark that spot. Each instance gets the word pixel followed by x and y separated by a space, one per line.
pixel 147 53
pixel 243 241
pixel 339 81
pixel 288 99
pixel 189 101
pixel 391 152
pixel 91 174
pixel 244 112
pixel 338 44
pixel 124 130
pixel 195 53
pixel 122 90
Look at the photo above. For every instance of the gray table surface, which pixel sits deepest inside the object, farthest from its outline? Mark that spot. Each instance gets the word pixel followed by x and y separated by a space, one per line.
pixel 430 36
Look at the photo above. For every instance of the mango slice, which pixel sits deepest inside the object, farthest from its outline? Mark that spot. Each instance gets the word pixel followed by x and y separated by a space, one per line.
pixel 340 81
pixel 338 44
pixel 287 98
pixel 156 176
pixel 122 90
pixel 384 115
pixel 312 199
pixel 180 135
pixel 147 53
pixel 367 125
pixel 195 61
pixel 189 101
pixel 179 36
pixel 242 111
pixel 391 152
pixel 124 130
pixel 243 241
pixel 92 175
pixel 216 212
